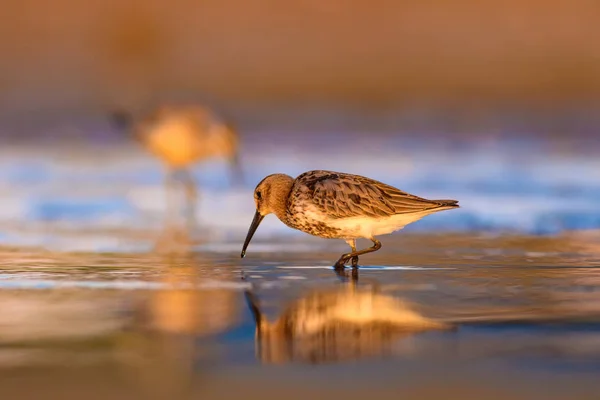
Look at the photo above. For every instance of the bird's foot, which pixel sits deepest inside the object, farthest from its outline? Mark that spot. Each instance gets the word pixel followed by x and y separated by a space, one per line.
pixel 341 263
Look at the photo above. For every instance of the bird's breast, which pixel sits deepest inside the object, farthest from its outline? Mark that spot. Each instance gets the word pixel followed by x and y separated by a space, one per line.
pixel 309 220
pixel 177 143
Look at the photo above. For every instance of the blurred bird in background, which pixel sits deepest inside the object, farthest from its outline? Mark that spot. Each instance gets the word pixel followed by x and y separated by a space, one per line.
pixel 181 136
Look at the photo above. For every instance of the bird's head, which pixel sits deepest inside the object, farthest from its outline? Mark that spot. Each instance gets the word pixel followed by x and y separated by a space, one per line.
pixel 270 196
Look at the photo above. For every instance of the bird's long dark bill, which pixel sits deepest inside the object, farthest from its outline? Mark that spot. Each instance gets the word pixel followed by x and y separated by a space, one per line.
pixel 255 223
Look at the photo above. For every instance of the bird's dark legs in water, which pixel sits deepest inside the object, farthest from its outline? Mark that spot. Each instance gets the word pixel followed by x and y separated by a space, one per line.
pixel 352 244
pixel 169 192
pixel 340 264
pixel 355 258
pixel 173 177
pixel 191 197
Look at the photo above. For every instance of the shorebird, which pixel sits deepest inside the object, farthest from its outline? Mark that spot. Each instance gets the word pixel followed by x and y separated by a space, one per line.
pixel 338 205
pixel 183 135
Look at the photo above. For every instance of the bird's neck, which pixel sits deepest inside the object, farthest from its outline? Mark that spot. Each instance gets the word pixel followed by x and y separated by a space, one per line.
pixel 281 193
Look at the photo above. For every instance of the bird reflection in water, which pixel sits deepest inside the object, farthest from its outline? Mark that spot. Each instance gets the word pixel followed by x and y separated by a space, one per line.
pixel 169 342
pixel 336 325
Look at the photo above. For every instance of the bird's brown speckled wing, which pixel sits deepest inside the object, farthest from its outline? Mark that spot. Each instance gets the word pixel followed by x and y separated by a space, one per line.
pixel 341 195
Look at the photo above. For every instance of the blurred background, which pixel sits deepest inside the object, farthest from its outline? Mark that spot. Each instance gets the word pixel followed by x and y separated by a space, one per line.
pixel 495 104
pixel 494 101
pixel 70 58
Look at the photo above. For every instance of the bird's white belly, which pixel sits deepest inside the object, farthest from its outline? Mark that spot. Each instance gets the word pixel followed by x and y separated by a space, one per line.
pixel 366 227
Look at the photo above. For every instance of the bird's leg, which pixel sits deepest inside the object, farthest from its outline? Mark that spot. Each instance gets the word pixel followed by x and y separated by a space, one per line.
pixel 340 264
pixel 236 170
pixel 352 244
pixel 169 192
pixel 345 257
pixel 192 196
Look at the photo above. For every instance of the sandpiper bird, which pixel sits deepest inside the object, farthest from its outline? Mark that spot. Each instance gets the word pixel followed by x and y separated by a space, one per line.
pixel 183 135
pixel 338 205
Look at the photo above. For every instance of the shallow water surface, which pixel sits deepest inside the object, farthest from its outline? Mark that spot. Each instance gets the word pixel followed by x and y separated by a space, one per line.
pixel 470 315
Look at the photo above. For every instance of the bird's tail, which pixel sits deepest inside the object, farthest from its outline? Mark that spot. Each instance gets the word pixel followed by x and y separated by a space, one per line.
pixel 447 203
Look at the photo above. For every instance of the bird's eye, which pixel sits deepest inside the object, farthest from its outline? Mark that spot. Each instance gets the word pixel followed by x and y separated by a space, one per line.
pixel 258 195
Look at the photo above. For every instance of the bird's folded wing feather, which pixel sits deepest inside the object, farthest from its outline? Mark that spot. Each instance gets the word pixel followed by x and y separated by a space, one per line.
pixel 343 196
